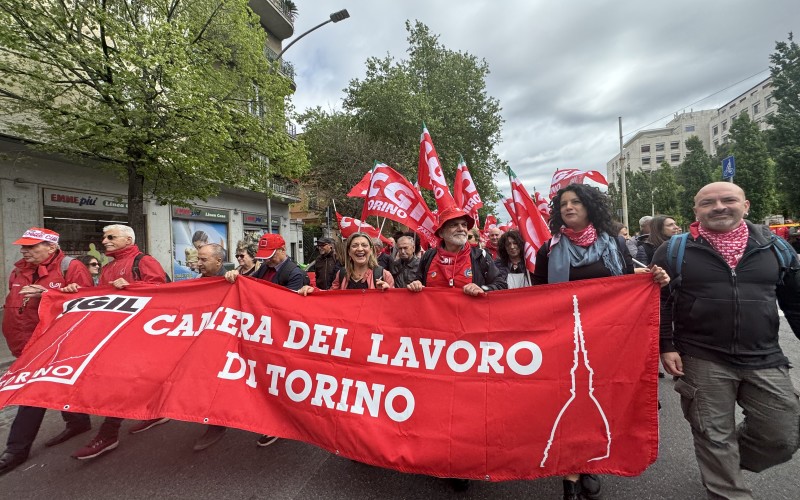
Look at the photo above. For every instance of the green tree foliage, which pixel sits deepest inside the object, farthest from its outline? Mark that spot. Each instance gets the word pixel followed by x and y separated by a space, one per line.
pixel 340 155
pixel 176 96
pixel 755 170
pixel 784 138
pixel 639 191
pixel 667 193
pixel 443 88
pixel 696 170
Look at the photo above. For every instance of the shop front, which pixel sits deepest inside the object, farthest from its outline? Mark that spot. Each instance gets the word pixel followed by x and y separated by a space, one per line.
pixel 79 217
pixel 192 228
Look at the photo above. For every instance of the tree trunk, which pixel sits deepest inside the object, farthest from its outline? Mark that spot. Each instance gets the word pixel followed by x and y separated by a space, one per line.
pixel 136 218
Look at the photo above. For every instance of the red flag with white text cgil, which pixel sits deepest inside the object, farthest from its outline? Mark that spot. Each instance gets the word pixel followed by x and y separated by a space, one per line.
pixel 531 225
pixel 464 190
pixel 430 174
pixel 392 196
pixel 360 189
pixel 350 225
pixel 563 178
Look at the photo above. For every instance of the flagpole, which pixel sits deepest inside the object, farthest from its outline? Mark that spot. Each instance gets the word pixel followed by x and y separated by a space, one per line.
pixel 366 198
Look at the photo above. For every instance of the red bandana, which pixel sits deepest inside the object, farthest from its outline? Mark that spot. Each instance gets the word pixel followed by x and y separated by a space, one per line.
pixel 583 238
pixel 730 245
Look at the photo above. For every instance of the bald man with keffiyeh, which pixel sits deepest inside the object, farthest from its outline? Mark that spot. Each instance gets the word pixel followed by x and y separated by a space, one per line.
pixel 719 334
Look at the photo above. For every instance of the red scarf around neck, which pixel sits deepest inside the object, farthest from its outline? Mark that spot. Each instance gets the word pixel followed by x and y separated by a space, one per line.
pixel 730 245
pixel 583 238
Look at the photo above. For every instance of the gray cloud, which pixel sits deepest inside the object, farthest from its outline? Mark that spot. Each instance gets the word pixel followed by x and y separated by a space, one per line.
pixel 563 72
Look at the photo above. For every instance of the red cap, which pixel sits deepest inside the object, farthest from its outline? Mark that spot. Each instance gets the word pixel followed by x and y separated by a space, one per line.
pixel 451 213
pixel 36 235
pixel 268 244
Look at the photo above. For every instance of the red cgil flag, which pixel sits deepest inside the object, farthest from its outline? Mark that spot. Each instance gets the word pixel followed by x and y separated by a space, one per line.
pixel 360 189
pixel 531 225
pixel 430 175
pixel 563 178
pixel 464 191
pixel 392 196
pixel 350 225
pixel 543 205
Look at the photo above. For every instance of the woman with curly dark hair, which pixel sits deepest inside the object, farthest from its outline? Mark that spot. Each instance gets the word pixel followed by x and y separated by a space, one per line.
pixel 584 246
pixel 510 259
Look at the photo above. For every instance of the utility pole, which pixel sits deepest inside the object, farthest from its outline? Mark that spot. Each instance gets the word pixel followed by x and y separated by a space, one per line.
pixel 622 179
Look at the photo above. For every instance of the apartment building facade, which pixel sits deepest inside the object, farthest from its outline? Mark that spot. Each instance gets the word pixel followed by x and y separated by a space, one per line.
pixel 648 149
pixel 78 198
pixel 756 101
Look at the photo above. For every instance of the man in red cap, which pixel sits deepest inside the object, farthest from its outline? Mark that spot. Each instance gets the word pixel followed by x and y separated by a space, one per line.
pixel 129 265
pixel 43 267
pixel 279 269
pixel 455 263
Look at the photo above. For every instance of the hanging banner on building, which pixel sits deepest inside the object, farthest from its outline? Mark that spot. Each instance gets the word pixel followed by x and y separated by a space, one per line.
pixel 453 390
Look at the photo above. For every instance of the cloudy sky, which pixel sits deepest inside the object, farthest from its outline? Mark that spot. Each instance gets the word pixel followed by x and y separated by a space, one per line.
pixel 562 71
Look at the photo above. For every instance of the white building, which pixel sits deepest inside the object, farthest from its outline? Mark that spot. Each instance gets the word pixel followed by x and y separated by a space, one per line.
pixel 756 101
pixel 648 149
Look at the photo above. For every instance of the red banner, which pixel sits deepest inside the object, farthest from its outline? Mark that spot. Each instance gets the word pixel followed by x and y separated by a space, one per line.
pixel 563 178
pixel 452 390
pixel 392 196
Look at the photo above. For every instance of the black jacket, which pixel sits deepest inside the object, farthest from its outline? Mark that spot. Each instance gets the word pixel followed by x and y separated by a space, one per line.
pixel 729 315
pixel 325 268
pixel 484 273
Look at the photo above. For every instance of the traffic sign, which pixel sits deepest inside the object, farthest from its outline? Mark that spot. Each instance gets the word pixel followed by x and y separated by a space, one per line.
pixel 728 167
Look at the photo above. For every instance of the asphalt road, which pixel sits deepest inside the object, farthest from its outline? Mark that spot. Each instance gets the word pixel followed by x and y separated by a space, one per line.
pixel 160 464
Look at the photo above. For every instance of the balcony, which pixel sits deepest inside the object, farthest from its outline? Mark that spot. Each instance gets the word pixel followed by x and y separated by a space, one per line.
pixel 275 17
pixel 285 187
pixel 286 68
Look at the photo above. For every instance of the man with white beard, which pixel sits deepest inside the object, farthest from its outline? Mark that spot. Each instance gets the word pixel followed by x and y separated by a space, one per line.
pixel 455 263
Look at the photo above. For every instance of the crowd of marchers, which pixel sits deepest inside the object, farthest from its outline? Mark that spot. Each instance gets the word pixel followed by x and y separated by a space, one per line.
pixel 720 283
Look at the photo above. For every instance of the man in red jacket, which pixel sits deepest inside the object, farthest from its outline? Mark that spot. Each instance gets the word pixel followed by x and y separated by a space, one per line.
pixel 43 267
pixel 129 265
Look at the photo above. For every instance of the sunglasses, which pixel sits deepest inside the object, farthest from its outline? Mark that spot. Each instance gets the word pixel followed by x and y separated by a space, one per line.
pixel 112 237
pixel 94 264
pixel 240 256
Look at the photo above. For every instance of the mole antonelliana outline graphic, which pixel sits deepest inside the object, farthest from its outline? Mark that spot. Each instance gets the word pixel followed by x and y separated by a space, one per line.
pixel 580 349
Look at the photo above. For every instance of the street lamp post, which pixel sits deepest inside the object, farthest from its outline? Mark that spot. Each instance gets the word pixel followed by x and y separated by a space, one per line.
pixel 335 17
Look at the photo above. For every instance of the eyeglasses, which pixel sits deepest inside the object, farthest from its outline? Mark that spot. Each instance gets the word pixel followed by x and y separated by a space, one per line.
pixel 239 256
pixel 111 237
pixel 94 264
pixel 28 247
